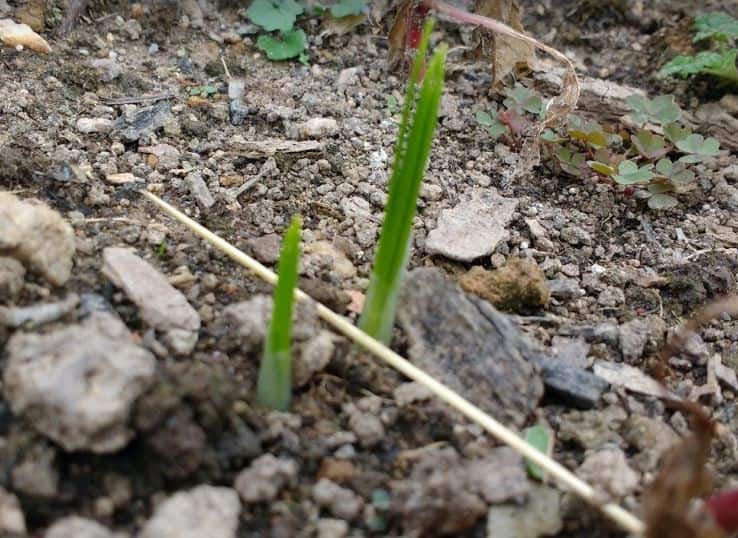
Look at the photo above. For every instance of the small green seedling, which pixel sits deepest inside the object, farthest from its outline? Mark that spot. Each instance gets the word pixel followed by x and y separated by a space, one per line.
pixel 715 25
pixel 494 126
pixel 698 148
pixel 510 121
pixel 279 16
pixel 412 150
pixel 644 159
pixel 719 28
pixel 630 173
pixel 538 437
pixel 274 386
pixel 274 15
pixel 205 90
pixel 393 105
pixel 661 110
pixel 288 45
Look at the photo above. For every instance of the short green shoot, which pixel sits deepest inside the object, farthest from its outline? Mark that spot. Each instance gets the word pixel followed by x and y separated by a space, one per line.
pixel 274 387
pixel 412 150
pixel 540 438
pixel 720 30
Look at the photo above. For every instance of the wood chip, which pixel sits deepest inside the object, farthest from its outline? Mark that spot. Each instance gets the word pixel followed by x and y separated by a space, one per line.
pixel 267 148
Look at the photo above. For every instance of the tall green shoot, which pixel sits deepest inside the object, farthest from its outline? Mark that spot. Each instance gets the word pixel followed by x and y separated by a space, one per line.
pixel 412 150
pixel 274 386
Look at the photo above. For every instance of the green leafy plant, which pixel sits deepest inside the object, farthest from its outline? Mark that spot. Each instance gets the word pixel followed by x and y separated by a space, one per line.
pixel 715 25
pixel 412 150
pixel 278 17
pixel 654 157
pixel 205 90
pixel 274 386
pixel 288 45
pixel 720 29
pixel 661 110
pixel 271 15
pixel 509 122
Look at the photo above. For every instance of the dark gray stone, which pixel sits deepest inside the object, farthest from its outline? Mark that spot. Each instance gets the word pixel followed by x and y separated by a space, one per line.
pixel 575 386
pixel 468 345
pixel 143 122
pixel 564 289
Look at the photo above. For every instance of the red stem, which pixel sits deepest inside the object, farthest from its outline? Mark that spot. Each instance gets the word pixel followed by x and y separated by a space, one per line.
pixel 724 508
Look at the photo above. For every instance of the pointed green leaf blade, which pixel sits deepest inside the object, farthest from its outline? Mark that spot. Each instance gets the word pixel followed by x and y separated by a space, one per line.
pixel 274 384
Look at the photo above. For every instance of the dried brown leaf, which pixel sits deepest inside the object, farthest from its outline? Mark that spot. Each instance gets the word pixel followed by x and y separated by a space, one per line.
pixel 507 54
pixel 683 474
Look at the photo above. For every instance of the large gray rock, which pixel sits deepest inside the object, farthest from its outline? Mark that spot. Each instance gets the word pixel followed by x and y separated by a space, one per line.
pixel 539 516
pixel 465 343
pixel 76 385
pixel 12 519
pixel 12 273
pixel 79 527
pixel 265 477
pixel 203 511
pixel 607 470
pixel 446 494
pixel 473 228
pixel 37 236
pixel 162 306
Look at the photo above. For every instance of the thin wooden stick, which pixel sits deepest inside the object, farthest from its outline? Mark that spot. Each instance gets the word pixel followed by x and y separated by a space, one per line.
pixel 619 515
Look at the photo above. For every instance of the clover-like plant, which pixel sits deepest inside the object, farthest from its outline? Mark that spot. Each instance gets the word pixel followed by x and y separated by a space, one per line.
pixel 655 159
pixel 274 385
pixel 412 150
pixel 721 30
pixel 278 16
pixel 510 121
pixel 661 110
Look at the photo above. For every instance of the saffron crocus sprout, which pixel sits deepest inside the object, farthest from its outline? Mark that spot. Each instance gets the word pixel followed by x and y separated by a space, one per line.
pixel 274 387
pixel 412 150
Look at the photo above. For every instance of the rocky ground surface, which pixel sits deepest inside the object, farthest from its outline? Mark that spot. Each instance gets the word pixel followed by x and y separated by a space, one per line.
pixel 130 348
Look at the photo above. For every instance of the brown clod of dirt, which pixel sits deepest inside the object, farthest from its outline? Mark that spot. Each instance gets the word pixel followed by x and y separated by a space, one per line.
pixel 519 286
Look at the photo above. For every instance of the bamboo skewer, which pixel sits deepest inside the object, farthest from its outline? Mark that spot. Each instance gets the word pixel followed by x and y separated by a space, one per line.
pixel 619 515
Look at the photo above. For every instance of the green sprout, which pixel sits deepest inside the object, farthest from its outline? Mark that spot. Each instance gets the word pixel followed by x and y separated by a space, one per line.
pixel 412 150
pixel 538 437
pixel 720 28
pixel 274 386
